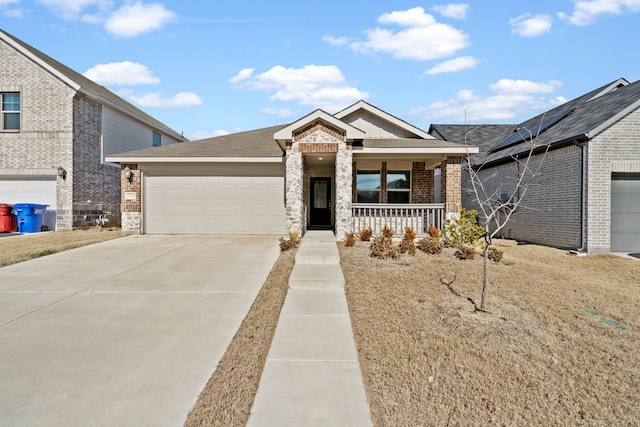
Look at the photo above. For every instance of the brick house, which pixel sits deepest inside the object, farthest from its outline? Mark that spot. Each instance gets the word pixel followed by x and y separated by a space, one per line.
pixel 357 168
pixel 56 128
pixel 587 195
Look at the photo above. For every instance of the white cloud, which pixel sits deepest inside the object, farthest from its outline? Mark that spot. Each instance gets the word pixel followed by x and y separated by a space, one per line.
pixel 452 10
pixel 423 39
pixel 14 13
pixel 71 9
pixel 244 74
pixel 531 26
pixel 586 11
pixel 156 100
pixel 454 65
pixel 512 100
pixel 282 113
pixel 134 19
pixel 121 74
pixel 312 85
pixel 336 41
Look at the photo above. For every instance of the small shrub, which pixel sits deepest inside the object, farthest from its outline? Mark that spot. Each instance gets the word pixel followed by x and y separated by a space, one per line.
pixel 409 233
pixel 494 254
pixel 433 231
pixel 350 239
pixel 465 252
pixel 387 232
pixel 430 245
pixel 285 244
pixel 383 248
pixel 365 234
pixel 463 231
pixel 407 247
pixel 294 236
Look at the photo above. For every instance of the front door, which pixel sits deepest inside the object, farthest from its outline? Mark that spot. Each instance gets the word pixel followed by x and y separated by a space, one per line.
pixel 320 212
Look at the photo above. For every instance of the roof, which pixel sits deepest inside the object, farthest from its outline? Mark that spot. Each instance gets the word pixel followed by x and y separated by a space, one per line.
pixel 408 143
pixel 82 84
pixel 482 136
pixel 257 143
pixel 578 120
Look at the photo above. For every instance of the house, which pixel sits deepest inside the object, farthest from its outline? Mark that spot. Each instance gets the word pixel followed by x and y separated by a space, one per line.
pixel 56 128
pixel 357 168
pixel 586 196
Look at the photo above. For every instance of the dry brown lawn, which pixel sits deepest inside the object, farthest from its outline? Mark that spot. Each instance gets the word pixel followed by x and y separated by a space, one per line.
pixel 18 248
pixel 560 345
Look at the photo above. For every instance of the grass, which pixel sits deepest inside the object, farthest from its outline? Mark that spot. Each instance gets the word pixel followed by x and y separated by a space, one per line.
pixel 559 346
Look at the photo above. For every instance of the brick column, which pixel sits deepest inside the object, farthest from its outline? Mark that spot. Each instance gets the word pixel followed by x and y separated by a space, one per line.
pixel 452 186
pixel 131 201
pixel 344 190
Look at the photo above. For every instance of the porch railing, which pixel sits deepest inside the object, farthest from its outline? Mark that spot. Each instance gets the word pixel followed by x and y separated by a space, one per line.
pixel 397 217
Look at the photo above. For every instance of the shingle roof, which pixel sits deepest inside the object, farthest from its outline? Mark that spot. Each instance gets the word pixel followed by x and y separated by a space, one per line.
pixel 409 143
pixel 255 143
pixel 482 136
pixel 93 89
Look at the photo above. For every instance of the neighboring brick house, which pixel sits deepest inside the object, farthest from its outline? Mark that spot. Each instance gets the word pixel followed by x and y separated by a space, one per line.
pixel 56 128
pixel 359 167
pixel 587 194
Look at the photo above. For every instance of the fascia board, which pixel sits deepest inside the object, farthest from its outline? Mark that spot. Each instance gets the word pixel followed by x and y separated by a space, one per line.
pixel 461 150
pixel 194 159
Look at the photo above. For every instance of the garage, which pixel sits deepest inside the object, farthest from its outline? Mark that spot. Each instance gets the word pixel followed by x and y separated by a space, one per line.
pixel 625 212
pixel 238 203
pixel 31 189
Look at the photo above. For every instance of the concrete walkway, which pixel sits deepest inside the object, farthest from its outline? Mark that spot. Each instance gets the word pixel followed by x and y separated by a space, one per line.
pixel 312 375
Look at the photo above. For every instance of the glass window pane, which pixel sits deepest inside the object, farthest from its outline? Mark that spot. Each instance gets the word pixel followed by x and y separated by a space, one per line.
pixel 368 180
pixel 398 180
pixel 11 121
pixel 11 102
pixel 157 139
pixel 365 196
pixel 398 197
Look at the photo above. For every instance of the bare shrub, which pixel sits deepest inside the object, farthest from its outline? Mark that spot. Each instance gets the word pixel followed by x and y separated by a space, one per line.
pixel 365 234
pixel 387 232
pixel 350 239
pixel 430 245
pixel 383 248
pixel 494 254
pixel 465 252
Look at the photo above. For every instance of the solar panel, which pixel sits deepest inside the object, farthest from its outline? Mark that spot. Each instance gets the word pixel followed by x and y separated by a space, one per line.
pixel 529 132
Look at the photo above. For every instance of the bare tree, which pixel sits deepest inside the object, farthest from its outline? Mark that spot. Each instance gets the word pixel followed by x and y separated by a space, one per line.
pixel 497 204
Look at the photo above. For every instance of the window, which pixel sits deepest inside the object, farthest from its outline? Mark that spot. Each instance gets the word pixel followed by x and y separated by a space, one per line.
pixel 157 139
pixel 368 187
pixel 399 187
pixel 10 106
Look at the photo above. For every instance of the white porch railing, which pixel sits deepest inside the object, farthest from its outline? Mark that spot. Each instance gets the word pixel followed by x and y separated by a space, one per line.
pixel 397 217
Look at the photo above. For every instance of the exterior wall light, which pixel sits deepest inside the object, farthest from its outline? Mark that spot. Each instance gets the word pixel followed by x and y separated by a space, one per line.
pixel 128 174
pixel 62 173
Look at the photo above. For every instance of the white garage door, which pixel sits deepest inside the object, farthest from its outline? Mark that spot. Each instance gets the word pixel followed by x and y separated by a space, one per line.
pixel 33 189
pixel 213 204
pixel 625 213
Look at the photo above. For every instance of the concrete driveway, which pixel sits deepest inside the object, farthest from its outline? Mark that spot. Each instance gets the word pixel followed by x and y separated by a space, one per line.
pixel 125 332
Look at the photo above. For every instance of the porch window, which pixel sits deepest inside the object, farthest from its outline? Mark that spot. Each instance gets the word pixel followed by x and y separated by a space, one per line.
pixel 398 186
pixel 10 106
pixel 368 186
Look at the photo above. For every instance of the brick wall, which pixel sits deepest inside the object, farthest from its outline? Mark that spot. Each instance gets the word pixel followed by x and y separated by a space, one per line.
pixel 549 211
pixel 96 186
pixel 422 184
pixel 617 149
pixel 451 179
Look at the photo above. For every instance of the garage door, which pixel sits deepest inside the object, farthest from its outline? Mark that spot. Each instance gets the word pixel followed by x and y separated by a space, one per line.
pixel 625 213
pixel 213 204
pixel 32 189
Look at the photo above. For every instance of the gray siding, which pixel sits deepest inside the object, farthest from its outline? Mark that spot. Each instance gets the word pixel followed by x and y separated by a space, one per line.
pixel 375 127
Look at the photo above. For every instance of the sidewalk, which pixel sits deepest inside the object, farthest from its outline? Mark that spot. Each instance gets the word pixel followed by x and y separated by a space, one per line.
pixel 312 375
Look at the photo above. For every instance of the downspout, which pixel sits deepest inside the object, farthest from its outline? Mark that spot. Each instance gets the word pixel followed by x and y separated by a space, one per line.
pixel 583 199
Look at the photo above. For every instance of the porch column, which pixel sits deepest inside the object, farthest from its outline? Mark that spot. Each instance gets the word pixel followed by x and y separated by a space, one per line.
pixel 131 202
pixel 344 190
pixel 451 170
pixel 296 218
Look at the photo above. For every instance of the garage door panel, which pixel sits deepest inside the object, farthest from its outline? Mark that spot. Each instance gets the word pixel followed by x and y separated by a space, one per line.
pixel 212 204
pixel 625 213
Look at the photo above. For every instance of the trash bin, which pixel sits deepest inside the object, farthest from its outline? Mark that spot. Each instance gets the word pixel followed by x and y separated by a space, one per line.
pixel 8 221
pixel 30 216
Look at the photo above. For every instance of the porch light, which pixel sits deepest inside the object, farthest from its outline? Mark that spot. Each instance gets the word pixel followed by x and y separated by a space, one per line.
pixel 62 173
pixel 128 174
pixel 320 158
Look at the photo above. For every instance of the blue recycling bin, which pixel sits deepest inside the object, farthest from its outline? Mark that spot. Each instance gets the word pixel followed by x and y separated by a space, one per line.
pixel 30 216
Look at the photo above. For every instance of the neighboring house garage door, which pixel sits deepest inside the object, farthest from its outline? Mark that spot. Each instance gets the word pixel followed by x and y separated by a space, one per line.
pixel 625 213
pixel 31 189
pixel 214 204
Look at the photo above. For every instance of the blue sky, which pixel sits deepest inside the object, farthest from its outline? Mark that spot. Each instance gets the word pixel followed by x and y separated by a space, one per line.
pixel 216 67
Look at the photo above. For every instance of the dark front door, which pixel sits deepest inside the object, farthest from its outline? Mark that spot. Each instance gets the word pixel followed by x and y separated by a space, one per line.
pixel 320 212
